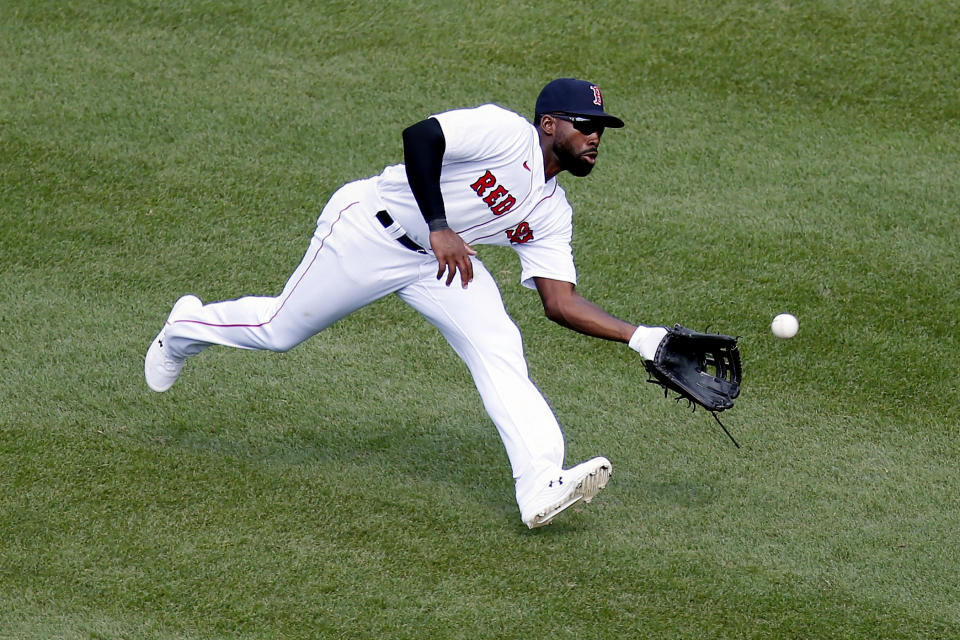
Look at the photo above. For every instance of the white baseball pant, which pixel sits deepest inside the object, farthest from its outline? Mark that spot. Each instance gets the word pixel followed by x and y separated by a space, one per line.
pixel 352 261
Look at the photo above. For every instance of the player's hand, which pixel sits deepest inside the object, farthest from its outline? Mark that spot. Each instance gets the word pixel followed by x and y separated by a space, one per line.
pixel 452 254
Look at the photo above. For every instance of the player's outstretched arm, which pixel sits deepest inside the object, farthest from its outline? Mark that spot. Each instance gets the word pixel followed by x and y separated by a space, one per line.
pixel 566 307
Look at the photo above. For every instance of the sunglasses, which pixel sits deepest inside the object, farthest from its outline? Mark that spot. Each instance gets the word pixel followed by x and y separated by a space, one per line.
pixel 586 126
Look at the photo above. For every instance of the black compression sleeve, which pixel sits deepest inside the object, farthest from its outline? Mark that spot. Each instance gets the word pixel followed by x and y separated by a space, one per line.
pixel 423 147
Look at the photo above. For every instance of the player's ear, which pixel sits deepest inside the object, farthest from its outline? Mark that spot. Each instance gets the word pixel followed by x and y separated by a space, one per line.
pixel 548 124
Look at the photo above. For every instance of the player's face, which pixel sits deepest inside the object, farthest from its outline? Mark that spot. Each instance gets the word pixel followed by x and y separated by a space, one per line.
pixel 575 144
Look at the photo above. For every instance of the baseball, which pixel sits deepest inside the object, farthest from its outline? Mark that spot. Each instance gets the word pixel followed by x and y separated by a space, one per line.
pixel 785 325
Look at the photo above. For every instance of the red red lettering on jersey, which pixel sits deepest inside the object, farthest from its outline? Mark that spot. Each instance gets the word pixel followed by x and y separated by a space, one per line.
pixel 499 200
pixel 503 206
pixel 483 182
pixel 521 234
pixel 495 195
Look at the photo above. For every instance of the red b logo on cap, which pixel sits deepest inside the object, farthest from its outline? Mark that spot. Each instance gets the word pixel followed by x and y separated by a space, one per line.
pixel 597 98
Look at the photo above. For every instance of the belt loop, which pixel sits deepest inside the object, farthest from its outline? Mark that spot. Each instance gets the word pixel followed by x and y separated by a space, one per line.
pixel 387 222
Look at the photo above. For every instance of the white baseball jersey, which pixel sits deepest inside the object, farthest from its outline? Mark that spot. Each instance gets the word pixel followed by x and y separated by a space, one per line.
pixel 494 192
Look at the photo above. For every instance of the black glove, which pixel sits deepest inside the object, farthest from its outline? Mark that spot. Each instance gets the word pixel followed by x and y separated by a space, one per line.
pixel 703 368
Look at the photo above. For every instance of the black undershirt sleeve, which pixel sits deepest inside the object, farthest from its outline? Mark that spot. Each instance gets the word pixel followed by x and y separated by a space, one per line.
pixel 423 147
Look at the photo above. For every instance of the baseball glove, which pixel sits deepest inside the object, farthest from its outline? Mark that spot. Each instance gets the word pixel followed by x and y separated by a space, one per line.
pixel 703 368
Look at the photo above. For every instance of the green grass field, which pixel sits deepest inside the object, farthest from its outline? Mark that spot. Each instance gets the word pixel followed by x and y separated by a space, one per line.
pixel 788 156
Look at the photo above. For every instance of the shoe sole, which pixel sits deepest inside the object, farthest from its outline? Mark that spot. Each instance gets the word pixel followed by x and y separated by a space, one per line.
pixel 585 491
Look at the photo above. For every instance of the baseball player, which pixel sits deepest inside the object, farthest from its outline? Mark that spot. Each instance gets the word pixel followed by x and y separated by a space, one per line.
pixel 483 175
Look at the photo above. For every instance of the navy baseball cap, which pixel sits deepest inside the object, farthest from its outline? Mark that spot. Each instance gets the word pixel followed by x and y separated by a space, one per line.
pixel 575 98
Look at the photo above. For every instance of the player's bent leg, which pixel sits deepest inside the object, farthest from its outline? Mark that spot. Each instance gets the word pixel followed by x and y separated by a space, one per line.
pixel 350 262
pixel 308 304
pixel 477 326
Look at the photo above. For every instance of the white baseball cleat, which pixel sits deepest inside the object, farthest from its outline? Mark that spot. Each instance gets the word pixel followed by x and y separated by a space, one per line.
pixel 159 367
pixel 582 482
